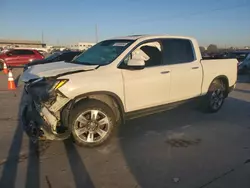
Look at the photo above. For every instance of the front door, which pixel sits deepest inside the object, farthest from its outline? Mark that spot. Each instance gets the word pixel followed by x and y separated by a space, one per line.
pixel 148 87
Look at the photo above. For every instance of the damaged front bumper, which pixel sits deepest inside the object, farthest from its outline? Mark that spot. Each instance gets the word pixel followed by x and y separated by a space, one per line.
pixel 45 118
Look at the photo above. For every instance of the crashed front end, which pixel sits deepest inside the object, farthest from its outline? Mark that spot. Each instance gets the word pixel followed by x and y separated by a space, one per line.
pixel 45 112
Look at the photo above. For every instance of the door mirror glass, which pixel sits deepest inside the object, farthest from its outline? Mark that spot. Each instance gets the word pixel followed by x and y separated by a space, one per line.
pixel 136 63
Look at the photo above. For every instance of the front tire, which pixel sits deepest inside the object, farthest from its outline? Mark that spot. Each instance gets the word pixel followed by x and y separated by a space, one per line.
pixel 215 97
pixel 92 123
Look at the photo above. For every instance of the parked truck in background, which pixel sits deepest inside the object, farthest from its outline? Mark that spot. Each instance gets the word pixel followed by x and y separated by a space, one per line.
pixel 120 79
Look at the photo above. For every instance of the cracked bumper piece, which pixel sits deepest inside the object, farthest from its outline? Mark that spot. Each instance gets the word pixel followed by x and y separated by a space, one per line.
pixel 34 125
pixel 40 122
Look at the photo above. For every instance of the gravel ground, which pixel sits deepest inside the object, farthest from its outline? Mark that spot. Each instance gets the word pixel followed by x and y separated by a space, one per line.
pixel 181 148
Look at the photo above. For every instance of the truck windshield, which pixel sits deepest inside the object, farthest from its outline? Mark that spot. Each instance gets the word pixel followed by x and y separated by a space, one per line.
pixel 103 53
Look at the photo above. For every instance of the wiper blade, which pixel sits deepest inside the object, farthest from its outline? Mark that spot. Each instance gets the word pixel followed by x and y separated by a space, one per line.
pixel 82 63
pixel 97 66
pixel 74 62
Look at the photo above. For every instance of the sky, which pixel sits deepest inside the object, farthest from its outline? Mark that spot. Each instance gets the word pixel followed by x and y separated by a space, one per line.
pixel 221 22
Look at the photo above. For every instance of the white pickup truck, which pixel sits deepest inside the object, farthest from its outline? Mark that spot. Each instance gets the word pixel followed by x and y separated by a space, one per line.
pixel 119 79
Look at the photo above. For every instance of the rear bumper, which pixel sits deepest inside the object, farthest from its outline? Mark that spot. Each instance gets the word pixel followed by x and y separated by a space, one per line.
pixel 34 125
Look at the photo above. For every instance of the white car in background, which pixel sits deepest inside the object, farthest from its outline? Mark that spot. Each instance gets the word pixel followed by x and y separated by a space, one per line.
pixel 119 79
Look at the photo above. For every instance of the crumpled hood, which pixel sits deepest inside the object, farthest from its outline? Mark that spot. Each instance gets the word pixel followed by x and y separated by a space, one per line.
pixel 53 69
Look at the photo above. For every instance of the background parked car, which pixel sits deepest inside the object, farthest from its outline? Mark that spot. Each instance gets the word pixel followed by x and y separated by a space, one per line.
pixel 17 57
pixel 57 56
pixel 239 55
pixel 44 53
pixel 244 66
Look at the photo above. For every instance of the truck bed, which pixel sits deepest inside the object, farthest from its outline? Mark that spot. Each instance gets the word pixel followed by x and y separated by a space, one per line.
pixel 226 68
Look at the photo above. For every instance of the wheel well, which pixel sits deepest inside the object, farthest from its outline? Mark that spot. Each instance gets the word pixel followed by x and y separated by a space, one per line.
pixel 112 101
pixel 225 81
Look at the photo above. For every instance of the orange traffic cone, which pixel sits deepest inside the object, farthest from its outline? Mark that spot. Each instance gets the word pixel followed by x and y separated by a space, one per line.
pixel 5 69
pixel 11 82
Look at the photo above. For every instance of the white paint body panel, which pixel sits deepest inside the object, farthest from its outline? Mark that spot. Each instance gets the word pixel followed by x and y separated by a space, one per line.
pixel 52 69
pixel 186 81
pixel 102 79
pixel 146 88
pixel 219 67
pixel 139 89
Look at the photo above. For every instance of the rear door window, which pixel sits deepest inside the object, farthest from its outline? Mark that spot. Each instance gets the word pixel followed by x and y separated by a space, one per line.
pixel 177 51
pixel 22 52
pixel 26 52
pixel 13 52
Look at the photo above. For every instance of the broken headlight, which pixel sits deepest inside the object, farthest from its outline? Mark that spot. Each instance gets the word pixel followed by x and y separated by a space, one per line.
pixel 54 84
pixel 44 90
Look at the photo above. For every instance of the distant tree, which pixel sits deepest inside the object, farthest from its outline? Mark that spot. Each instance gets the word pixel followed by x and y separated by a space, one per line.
pixel 202 49
pixel 232 48
pixel 212 48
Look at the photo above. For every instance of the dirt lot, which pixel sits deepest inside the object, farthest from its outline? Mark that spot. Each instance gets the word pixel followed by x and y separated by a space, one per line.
pixel 181 148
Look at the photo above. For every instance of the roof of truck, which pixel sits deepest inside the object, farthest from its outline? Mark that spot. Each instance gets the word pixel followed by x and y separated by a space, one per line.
pixel 135 37
pixel 131 37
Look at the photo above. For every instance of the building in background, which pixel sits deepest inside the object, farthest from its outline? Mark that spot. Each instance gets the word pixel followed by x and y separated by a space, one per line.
pixel 81 46
pixel 21 44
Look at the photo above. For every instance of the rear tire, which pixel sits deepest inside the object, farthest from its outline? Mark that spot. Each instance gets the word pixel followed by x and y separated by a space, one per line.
pixel 92 123
pixel 215 97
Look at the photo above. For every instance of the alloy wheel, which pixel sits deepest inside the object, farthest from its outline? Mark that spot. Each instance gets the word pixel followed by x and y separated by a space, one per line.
pixel 217 98
pixel 92 126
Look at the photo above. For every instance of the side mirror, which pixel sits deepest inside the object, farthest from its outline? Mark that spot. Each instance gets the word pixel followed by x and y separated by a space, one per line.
pixel 136 63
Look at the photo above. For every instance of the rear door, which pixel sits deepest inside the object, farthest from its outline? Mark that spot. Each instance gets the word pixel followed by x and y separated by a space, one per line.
pixel 185 69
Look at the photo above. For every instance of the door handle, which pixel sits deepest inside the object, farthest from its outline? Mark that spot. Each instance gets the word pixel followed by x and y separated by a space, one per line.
pixel 165 72
pixel 195 67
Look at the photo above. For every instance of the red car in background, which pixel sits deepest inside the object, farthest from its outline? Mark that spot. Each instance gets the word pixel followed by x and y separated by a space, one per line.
pixel 17 57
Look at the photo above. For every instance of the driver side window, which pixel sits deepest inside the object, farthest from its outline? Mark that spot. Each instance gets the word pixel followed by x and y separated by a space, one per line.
pixel 150 52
